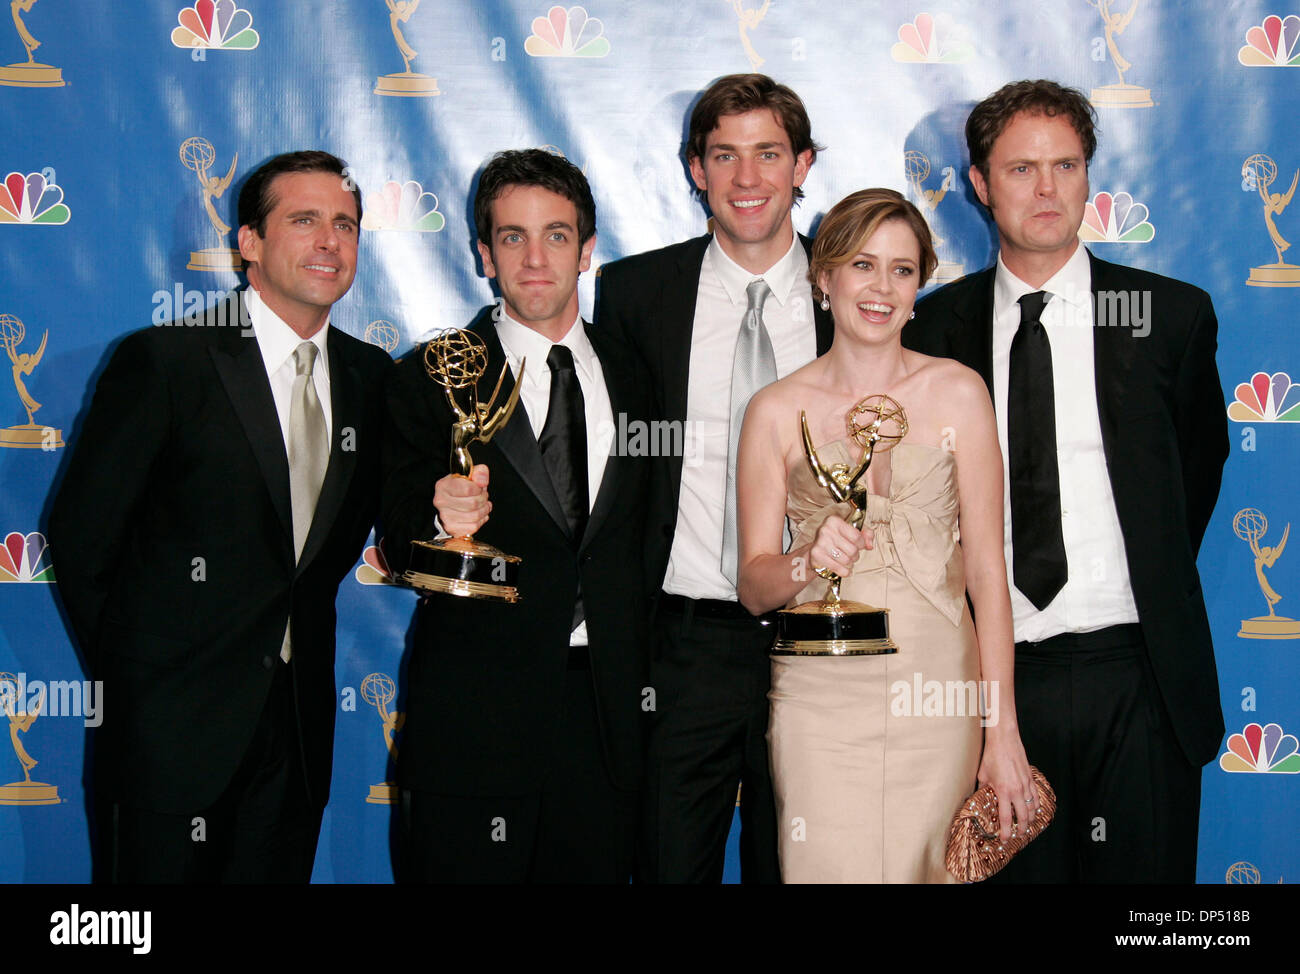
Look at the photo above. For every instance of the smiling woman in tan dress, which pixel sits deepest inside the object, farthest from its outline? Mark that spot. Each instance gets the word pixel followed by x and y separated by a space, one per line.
pixel 868 772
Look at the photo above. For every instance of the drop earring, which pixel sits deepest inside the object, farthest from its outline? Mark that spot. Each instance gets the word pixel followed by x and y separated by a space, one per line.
pixel 826 303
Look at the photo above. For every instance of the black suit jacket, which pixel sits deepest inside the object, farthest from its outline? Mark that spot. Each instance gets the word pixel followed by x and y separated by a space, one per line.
pixel 647 304
pixel 174 539
pixel 1165 435
pixel 486 679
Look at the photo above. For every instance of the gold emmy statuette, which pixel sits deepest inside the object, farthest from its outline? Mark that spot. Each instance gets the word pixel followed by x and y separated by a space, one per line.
pixel 25 792
pixel 197 154
pixel 1262 170
pixel 30 73
pixel 834 627
pixel 1250 525
pixel 917 167
pixel 30 435
pixel 379 691
pixel 1119 95
pixel 407 83
pixel 462 566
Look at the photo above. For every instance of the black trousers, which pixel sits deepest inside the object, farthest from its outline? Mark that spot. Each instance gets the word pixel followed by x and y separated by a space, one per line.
pixel 708 735
pixel 261 830
pixel 1128 800
pixel 578 829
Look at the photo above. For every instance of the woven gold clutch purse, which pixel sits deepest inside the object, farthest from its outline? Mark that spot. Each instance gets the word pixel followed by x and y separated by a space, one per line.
pixel 974 850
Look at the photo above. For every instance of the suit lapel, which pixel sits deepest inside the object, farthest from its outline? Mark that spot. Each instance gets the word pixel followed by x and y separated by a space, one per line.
pixel 515 440
pixel 1113 349
pixel 677 325
pixel 345 407
pixel 238 361
pixel 823 321
pixel 616 386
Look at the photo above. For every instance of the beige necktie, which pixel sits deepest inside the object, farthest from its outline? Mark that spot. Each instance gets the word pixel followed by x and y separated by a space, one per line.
pixel 309 452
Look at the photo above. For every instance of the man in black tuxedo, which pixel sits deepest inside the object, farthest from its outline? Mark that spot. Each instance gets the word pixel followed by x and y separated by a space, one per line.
pixel 223 483
pixel 1112 424
pixel 698 315
pixel 521 754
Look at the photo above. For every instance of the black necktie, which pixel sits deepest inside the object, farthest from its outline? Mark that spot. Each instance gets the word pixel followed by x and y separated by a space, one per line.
pixel 564 440
pixel 564 449
pixel 1037 544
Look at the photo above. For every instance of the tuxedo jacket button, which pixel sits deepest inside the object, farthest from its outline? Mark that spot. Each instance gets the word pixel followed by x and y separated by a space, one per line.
pixel 267 662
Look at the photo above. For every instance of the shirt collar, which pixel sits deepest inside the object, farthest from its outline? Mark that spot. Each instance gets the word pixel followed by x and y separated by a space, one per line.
pixel 276 339
pixel 519 341
pixel 780 277
pixel 1071 285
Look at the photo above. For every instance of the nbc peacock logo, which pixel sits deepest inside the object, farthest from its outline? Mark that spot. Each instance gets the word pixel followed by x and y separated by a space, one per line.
pixel 567 33
pixel 1116 219
pixel 928 41
pixel 1261 750
pixel 373 569
pixel 34 199
pixel 1266 399
pixel 215 25
pixel 403 206
pixel 1273 44
pixel 25 558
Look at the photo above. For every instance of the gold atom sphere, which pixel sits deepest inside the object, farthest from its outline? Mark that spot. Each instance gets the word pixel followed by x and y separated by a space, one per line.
pixel 877 419
pixel 456 358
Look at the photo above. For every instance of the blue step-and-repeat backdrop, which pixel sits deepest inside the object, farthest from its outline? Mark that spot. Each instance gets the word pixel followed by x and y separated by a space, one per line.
pixel 125 127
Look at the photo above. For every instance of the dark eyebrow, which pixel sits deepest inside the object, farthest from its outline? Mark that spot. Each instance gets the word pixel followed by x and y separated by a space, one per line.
pixel 346 217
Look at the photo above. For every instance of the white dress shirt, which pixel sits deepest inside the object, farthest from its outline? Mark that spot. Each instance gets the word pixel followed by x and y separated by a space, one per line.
pixel 1097 593
pixel 520 342
pixel 694 565
pixel 278 342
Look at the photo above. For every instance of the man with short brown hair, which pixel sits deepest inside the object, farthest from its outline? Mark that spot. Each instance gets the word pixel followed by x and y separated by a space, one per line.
pixel 1114 432
pixel 729 311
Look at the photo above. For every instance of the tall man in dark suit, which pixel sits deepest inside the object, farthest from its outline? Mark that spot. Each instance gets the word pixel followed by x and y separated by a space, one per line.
pixel 712 320
pixel 521 754
pixel 1111 420
pixel 223 483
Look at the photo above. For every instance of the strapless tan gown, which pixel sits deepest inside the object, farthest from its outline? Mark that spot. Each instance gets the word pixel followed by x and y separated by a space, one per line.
pixel 868 775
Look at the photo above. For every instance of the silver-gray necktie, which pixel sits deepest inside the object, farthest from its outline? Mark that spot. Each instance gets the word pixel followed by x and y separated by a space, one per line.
pixel 309 452
pixel 754 367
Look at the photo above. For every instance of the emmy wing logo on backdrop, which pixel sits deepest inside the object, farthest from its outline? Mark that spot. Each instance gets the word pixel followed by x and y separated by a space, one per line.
pixel 747 18
pixel 1121 94
pixel 21 717
pixel 406 83
pixel 198 155
pixel 1251 526
pixel 927 41
pixel 1258 174
pixel 30 435
pixel 215 25
pixel 1116 219
pixel 1273 44
pixel 567 33
pixel 917 167
pixel 382 334
pixel 33 200
pixel 379 690
pixel 1266 399
pixel 402 206
pixel 30 73
pixel 25 558
pixel 1261 750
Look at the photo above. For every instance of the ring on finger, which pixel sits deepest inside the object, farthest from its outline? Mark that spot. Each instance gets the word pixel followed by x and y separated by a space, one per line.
pixel 835 553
